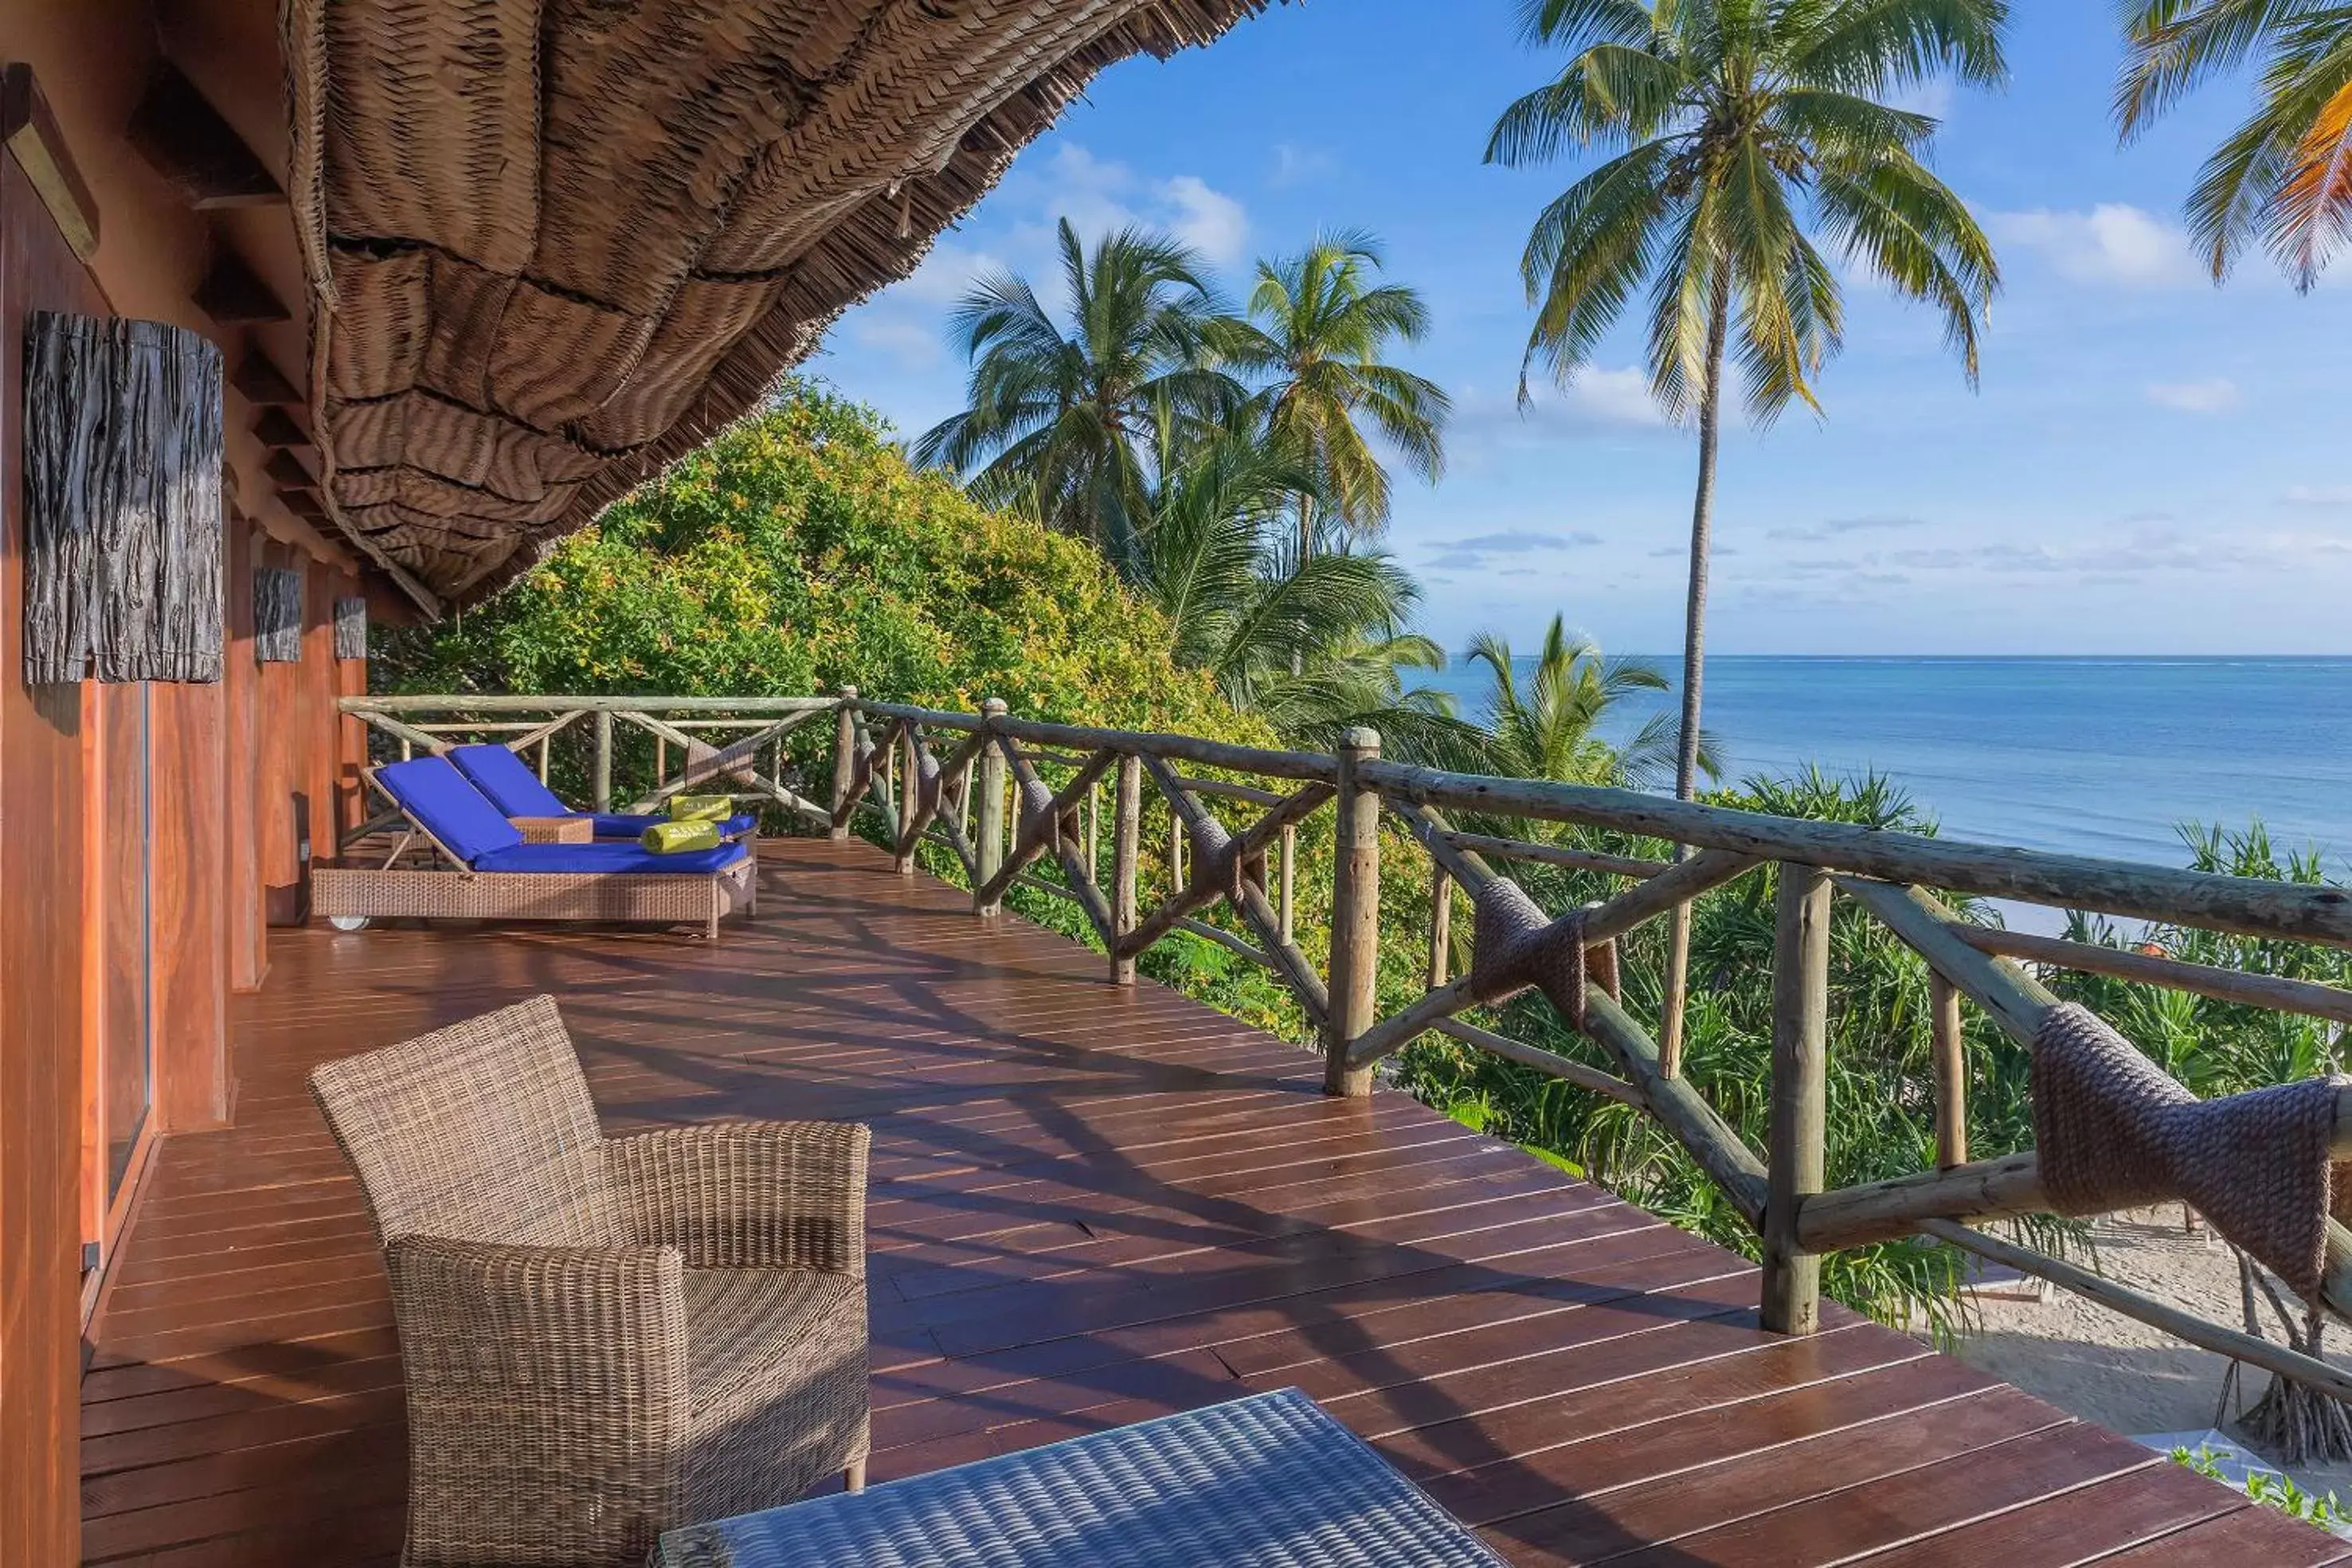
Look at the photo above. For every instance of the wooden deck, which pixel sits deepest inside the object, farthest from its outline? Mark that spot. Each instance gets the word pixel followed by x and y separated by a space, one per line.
pixel 1089 1207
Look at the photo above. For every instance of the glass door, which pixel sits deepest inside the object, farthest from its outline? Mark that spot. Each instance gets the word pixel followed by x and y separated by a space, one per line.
pixel 126 1062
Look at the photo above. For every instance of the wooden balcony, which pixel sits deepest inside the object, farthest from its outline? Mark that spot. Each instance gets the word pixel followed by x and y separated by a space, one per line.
pixel 1090 1205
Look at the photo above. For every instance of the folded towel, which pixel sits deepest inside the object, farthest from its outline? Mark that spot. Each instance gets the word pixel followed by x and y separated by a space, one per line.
pixel 701 808
pixel 679 838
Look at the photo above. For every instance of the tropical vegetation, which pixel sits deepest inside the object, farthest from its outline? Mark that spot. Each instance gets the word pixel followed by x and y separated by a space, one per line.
pixel 2282 180
pixel 1314 339
pixel 1734 134
pixel 1227 463
pixel 1551 724
pixel 1066 420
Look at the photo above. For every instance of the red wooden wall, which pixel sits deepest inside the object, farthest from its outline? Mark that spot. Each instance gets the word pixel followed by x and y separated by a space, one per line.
pixel 42 859
pixel 230 768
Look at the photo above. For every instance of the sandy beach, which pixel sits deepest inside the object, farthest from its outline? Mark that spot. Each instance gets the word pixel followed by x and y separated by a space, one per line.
pixel 2105 1367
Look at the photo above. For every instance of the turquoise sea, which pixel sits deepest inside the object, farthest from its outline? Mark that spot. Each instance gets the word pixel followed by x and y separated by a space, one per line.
pixel 2101 756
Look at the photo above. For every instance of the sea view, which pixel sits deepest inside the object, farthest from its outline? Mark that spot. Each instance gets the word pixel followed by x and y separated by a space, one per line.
pixel 2098 756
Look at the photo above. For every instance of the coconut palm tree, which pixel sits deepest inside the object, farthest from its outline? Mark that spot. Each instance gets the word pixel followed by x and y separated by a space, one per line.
pixel 1314 644
pixel 2284 177
pixel 1549 726
pixel 1735 132
pixel 1068 420
pixel 1317 331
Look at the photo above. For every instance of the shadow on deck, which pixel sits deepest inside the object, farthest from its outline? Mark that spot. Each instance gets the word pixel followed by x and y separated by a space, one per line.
pixel 1089 1205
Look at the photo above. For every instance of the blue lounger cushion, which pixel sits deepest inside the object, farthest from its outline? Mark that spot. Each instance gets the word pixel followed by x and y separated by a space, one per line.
pixel 506 781
pixel 438 797
pixel 617 858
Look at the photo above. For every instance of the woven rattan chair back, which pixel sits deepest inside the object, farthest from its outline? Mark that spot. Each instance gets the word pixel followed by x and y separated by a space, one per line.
pixel 480 1132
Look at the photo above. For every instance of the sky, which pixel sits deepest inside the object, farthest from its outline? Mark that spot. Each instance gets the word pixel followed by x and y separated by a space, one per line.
pixel 2151 466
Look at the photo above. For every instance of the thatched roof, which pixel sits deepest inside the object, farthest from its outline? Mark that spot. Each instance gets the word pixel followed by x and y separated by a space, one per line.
pixel 554 245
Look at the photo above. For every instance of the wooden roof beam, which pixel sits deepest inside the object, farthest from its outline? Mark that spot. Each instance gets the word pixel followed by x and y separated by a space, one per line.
pixel 286 471
pixel 278 429
pixel 261 382
pixel 184 139
pixel 232 295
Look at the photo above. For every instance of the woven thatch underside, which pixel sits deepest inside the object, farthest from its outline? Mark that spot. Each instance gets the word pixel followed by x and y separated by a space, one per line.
pixel 557 244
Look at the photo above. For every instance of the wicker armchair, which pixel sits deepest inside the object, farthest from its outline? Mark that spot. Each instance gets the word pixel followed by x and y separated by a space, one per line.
pixel 603 1338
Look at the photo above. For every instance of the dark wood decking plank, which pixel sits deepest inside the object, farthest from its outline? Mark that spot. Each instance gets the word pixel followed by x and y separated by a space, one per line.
pixel 2074 1527
pixel 1089 1205
pixel 2244 1537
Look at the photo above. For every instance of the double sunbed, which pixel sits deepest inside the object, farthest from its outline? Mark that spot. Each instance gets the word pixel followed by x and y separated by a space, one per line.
pixel 463 807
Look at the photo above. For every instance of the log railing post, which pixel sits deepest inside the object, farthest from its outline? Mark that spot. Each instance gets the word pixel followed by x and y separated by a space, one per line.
pixel 911 788
pixel 845 761
pixel 1951 1074
pixel 1441 927
pixel 1289 866
pixel 1127 820
pixel 989 851
pixel 1355 918
pixel 1670 1016
pixel 604 775
pixel 1795 1144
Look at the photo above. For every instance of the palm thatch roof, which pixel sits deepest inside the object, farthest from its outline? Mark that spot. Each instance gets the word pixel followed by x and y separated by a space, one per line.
pixel 553 245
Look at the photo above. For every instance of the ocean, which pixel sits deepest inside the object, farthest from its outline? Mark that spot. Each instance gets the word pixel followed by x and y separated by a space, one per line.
pixel 2098 756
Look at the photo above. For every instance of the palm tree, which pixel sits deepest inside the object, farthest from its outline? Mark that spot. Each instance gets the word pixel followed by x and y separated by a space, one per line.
pixel 1735 127
pixel 1314 644
pixel 1069 421
pixel 1549 728
pixel 2284 177
pixel 1317 330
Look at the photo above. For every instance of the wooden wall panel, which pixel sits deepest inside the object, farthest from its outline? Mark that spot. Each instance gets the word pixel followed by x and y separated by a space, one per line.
pixel 42 859
pixel 280 774
pixel 242 878
pixel 188 764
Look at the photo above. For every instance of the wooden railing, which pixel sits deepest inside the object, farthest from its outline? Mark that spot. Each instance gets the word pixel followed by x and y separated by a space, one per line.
pixel 943 779
pixel 714 741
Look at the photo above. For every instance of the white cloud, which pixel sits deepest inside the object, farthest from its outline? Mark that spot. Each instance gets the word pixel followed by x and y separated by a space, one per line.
pixel 1600 396
pixel 2319 495
pixel 914 344
pixel 945 277
pixel 1836 527
pixel 1209 221
pixel 2212 396
pixel 2111 243
pixel 1295 165
pixel 1098 196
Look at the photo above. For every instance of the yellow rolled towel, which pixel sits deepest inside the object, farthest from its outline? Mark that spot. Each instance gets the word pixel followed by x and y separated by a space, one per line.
pixel 679 838
pixel 701 808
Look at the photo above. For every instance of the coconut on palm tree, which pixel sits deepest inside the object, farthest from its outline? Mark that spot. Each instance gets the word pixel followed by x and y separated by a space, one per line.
pixel 1069 419
pixel 1741 137
pixel 2282 179
pixel 1317 332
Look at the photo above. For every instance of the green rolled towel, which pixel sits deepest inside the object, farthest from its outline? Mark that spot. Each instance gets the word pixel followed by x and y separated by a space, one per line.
pixel 679 838
pixel 701 808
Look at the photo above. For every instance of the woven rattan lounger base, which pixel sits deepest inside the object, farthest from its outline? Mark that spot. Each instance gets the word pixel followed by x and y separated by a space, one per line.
pixel 366 892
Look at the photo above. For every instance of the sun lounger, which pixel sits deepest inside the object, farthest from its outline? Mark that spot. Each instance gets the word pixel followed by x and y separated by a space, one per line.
pixel 485 870
pixel 507 783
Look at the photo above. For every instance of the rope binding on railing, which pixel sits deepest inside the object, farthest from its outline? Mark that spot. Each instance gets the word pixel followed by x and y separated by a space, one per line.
pixel 2114 1131
pixel 1517 946
pixel 1218 863
pixel 1038 829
